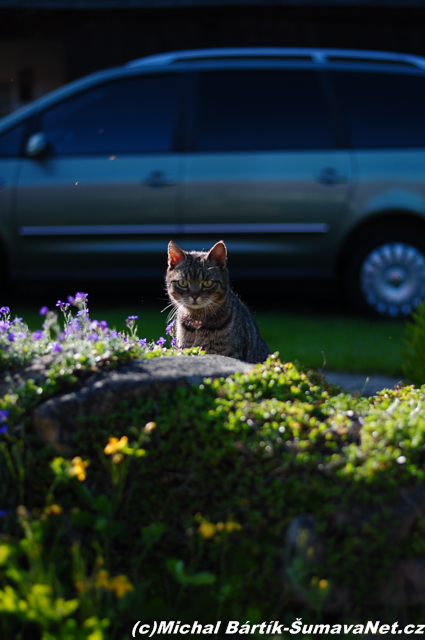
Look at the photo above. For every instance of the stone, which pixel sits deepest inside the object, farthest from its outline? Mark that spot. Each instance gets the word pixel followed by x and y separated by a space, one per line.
pixel 56 419
pixel 398 518
pixel 34 370
pixel 304 546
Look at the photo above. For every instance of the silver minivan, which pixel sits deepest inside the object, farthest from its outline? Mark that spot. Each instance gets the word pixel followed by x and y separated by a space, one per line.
pixel 306 162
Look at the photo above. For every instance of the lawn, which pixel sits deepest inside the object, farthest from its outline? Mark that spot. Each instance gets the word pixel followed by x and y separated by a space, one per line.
pixel 336 342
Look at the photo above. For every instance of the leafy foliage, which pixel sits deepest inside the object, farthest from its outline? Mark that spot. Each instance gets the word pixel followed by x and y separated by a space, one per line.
pixel 414 350
pixel 176 508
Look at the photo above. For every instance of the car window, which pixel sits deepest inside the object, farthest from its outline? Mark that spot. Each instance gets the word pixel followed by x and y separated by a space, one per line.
pixel 125 116
pixel 262 110
pixel 11 141
pixel 382 109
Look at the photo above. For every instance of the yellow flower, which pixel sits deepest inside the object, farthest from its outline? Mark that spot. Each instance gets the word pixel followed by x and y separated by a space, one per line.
pixel 79 468
pixel 207 529
pixel 102 579
pixel 114 445
pixel 80 586
pixel 323 584
pixel 56 509
pixel 120 584
pixel 233 526
pixel 150 426
pixel 117 457
pixel 220 526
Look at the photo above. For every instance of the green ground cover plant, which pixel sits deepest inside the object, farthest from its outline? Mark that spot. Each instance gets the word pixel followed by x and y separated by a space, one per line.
pixel 320 341
pixel 176 508
pixel 414 347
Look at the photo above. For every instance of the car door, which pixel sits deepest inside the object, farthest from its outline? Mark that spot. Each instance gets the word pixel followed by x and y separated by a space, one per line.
pixel 265 172
pixel 102 199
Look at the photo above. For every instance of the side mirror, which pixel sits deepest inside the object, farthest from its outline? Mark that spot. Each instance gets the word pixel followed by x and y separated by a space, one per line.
pixel 36 145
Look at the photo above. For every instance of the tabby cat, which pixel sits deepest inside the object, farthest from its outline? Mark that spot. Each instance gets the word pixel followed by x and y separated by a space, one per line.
pixel 208 313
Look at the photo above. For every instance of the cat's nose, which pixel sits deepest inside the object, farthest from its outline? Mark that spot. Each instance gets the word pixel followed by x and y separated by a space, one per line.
pixel 195 295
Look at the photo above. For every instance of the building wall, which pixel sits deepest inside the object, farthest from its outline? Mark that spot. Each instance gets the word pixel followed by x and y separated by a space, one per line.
pixel 55 46
pixel 28 69
pixel 115 37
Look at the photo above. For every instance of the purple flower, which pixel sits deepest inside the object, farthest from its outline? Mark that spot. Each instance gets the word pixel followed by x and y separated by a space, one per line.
pixel 3 429
pixel 4 325
pixel 94 324
pixel 11 337
pixel 169 329
pixel 103 324
pixel 80 297
pixel 43 311
pixel 57 347
pixel 21 335
pixel 71 299
pixel 131 320
pixel 62 305
pixel 37 335
pixel 143 342
pixel 114 334
pixel 161 341
pixel 81 313
pixel 173 342
pixel 4 310
pixel 93 337
pixel 16 320
pixel 3 415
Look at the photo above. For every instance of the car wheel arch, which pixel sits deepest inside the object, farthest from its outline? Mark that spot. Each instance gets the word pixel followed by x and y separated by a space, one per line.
pixel 370 256
pixel 383 220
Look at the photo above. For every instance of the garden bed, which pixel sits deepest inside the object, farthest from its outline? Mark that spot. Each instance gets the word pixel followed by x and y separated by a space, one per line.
pixel 255 497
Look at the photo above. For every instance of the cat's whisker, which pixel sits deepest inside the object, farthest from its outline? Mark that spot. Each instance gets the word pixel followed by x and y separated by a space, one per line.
pixel 167 307
pixel 172 316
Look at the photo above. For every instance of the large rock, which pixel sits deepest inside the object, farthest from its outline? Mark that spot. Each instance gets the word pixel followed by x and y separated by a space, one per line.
pixel 56 419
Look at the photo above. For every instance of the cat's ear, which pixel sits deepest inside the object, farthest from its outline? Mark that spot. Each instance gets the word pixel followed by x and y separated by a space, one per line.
pixel 175 254
pixel 218 254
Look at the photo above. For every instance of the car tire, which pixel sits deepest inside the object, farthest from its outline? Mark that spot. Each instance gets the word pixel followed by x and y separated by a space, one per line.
pixel 385 273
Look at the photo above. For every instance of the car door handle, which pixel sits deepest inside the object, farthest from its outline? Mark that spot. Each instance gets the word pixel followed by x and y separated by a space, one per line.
pixel 331 176
pixel 158 179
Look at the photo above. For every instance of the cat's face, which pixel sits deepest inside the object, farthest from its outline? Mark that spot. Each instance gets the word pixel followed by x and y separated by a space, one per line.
pixel 197 280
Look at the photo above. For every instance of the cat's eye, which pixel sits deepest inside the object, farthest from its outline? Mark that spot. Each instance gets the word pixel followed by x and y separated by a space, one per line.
pixel 207 283
pixel 183 283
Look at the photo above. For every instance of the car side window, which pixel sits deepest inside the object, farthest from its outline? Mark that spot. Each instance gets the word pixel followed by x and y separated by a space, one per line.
pixel 382 110
pixel 11 141
pixel 262 109
pixel 125 116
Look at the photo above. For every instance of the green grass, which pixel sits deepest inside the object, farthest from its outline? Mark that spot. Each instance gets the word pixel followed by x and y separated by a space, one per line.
pixel 337 343
pixel 334 342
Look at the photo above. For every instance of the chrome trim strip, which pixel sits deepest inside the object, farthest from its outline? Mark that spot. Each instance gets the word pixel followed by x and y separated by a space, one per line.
pixel 101 229
pixel 289 227
pixel 170 229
